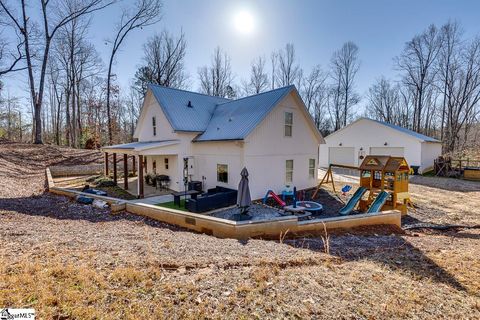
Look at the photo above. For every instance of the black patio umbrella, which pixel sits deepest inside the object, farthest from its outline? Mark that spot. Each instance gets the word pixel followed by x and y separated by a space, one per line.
pixel 244 199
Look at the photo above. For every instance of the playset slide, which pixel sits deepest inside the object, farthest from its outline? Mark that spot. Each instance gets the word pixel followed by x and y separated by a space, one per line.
pixel 352 202
pixel 378 203
pixel 275 197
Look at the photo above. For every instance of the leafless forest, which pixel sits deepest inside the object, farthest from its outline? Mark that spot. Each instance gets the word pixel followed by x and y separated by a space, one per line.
pixel 76 100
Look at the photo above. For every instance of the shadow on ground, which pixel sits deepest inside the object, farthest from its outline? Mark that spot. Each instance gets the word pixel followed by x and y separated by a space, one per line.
pixel 63 208
pixel 393 251
pixel 447 184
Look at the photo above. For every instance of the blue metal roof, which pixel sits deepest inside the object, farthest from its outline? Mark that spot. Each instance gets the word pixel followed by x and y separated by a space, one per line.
pixel 407 131
pixel 142 145
pixel 174 103
pixel 234 120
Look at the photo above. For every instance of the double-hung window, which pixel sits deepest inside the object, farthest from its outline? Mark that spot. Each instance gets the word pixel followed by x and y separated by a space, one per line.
pixel 311 168
pixel 154 126
pixel 288 124
pixel 289 171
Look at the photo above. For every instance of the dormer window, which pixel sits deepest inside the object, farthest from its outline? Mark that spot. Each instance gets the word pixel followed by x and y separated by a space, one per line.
pixel 288 124
pixel 154 126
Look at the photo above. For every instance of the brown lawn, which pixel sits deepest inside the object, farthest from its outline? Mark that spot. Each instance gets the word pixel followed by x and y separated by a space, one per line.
pixel 70 261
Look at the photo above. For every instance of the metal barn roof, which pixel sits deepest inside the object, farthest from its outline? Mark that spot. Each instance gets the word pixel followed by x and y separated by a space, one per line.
pixel 174 103
pixel 234 120
pixel 407 131
pixel 139 146
pixel 216 118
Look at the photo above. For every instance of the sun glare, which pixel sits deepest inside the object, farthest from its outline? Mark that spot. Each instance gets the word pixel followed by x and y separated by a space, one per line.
pixel 244 22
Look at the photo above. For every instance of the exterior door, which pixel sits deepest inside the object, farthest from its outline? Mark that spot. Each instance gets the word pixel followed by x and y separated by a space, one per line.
pixel 341 155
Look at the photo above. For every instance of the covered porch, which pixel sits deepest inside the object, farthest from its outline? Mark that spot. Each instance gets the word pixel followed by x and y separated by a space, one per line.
pixel 139 161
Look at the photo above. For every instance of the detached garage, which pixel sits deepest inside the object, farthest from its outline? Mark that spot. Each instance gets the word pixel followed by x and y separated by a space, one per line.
pixel 349 145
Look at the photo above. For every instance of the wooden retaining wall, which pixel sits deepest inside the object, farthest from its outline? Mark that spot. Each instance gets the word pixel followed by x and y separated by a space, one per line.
pixel 222 228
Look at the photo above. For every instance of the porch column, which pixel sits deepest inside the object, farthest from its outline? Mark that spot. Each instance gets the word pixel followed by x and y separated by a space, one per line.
pixel 134 165
pixel 125 171
pixel 140 176
pixel 115 168
pixel 106 164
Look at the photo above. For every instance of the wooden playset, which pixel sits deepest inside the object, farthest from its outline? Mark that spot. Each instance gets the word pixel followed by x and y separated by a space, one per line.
pixel 377 174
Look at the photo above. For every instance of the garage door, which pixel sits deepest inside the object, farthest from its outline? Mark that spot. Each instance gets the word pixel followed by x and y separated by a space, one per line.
pixel 341 155
pixel 387 151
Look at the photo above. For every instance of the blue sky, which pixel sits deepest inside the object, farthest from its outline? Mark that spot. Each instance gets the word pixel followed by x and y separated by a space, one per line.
pixel 316 28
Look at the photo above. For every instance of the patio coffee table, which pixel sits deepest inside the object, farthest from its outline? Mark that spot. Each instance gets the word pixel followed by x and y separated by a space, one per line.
pixel 176 195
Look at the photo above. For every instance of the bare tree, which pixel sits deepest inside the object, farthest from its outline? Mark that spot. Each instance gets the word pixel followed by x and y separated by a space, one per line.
pixel 54 15
pixel 417 62
pixel 164 57
pixel 463 91
pixel 314 92
pixel 273 60
pixel 345 65
pixel 144 13
pixel 217 79
pixel 288 71
pixel 451 41
pixel 383 100
pixel 258 77
pixel 10 59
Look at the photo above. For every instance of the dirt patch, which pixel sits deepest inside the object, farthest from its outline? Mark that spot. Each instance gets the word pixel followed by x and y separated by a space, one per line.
pixel 70 261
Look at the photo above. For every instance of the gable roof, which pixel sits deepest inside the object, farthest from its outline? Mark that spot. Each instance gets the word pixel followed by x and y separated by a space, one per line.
pixel 234 120
pixel 416 135
pixel 174 104
pixel 407 131
pixel 215 118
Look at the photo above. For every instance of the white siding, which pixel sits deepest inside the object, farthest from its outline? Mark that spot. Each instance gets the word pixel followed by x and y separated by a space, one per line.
pixel 430 151
pixel 208 154
pixel 388 151
pixel 263 152
pixel 365 134
pixel 172 171
pixel 144 130
pixel 267 149
pixel 341 155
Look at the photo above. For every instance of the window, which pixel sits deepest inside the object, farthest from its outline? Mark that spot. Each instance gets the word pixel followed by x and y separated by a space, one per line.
pixel 166 163
pixel 311 168
pixel 288 124
pixel 154 125
pixel 154 166
pixel 288 171
pixel 222 173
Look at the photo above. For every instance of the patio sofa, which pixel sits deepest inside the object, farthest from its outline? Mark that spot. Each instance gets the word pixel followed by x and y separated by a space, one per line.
pixel 214 198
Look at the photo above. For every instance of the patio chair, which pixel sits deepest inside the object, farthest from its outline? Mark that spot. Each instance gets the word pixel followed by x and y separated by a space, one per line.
pixel 162 182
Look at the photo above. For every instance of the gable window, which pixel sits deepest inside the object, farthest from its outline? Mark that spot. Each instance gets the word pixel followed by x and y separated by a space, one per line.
pixel 166 163
pixel 154 126
pixel 288 124
pixel 289 171
pixel 222 173
pixel 311 168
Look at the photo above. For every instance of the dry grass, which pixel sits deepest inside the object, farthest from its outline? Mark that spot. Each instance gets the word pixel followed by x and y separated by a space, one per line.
pixel 70 261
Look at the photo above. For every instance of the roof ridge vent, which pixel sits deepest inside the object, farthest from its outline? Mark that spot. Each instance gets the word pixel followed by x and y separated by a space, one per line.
pixel 189 104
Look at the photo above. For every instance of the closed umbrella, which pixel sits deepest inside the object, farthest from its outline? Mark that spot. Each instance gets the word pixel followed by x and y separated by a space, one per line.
pixel 244 199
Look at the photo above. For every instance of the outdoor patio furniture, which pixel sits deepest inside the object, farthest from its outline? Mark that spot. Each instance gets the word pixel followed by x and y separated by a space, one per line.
pixel 176 195
pixel 162 182
pixel 214 198
pixel 286 193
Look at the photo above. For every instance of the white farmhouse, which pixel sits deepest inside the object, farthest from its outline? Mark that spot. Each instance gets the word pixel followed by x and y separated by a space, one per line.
pixel 365 136
pixel 271 134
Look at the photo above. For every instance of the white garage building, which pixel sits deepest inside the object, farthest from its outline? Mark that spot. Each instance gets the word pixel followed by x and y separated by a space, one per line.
pixel 349 145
